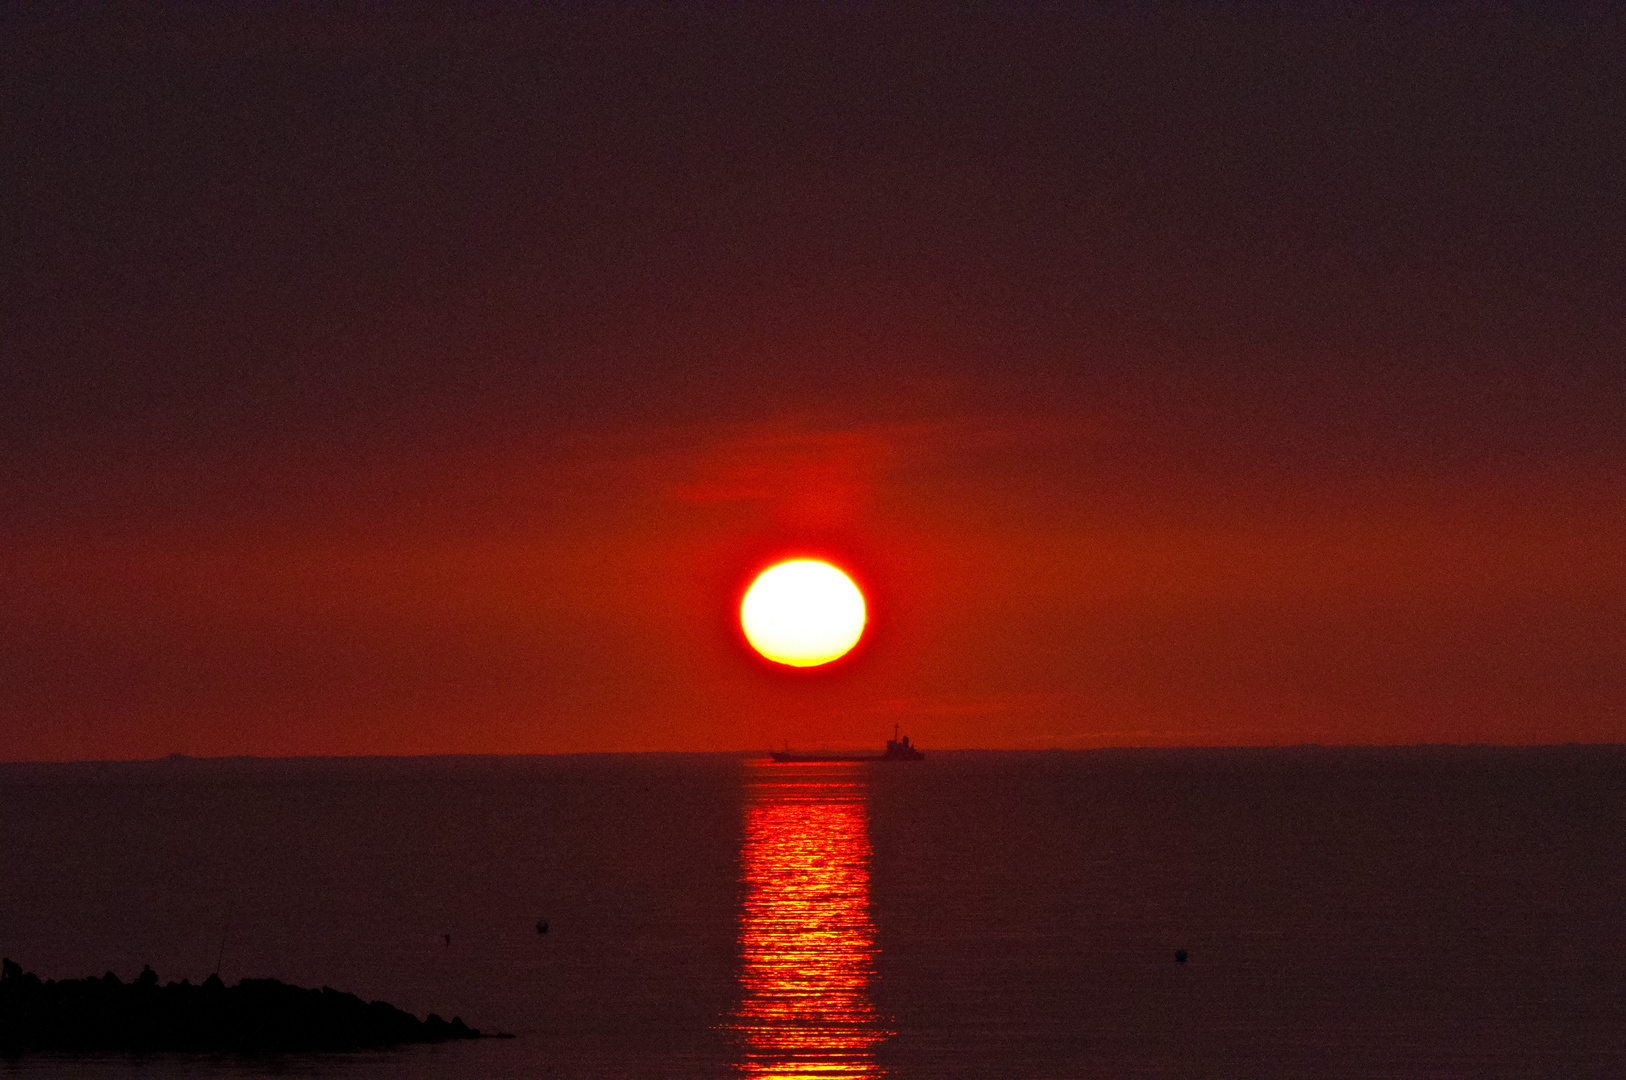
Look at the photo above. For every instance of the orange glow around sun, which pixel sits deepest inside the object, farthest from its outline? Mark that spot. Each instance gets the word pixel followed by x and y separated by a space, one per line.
pixel 802 613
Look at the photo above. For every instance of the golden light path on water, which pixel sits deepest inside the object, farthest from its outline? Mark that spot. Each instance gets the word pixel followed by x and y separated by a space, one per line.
pixel 807 941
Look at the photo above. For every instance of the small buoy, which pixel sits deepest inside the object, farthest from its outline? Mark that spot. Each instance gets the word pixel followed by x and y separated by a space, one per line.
pixel 1179 956
pixel 542 926
pixel 448 938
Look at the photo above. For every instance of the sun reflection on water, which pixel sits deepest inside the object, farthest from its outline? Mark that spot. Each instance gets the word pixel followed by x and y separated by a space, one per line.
pixel 807 942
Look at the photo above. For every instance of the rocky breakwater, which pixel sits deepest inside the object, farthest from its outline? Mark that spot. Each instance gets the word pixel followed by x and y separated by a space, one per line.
pixel 257 1016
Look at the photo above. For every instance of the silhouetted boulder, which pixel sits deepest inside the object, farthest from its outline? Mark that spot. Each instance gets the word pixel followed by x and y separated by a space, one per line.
pixel 255 1016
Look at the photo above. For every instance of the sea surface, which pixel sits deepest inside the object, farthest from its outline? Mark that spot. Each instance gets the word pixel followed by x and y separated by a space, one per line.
pixel 1420 912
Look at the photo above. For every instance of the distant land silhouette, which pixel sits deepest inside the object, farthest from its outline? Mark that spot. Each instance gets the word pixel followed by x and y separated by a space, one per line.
pixel 257 1016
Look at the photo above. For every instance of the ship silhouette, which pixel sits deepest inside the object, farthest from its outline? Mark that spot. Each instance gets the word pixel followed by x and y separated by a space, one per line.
pixel 898 748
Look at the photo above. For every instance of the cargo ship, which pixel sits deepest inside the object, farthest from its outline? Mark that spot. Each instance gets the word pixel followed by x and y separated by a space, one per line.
pixel 897 749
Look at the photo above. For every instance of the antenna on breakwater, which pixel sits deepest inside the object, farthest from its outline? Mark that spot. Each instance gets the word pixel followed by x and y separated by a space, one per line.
pixel 224 930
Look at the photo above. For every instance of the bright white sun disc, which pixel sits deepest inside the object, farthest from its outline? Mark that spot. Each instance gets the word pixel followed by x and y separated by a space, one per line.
pixel 802 613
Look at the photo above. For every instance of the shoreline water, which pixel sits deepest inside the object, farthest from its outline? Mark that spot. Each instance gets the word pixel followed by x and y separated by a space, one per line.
pixel 1400 911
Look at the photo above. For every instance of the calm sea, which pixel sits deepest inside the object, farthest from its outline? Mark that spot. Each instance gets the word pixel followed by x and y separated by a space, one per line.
pixel 1436 912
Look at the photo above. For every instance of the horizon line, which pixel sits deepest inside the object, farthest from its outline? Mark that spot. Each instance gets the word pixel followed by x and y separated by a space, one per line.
pixel 180 758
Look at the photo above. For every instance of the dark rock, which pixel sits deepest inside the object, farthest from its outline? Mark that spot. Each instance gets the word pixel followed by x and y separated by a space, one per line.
pixel 256 1016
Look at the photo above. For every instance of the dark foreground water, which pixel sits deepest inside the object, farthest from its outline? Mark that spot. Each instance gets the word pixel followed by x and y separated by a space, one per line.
pixel 1363 913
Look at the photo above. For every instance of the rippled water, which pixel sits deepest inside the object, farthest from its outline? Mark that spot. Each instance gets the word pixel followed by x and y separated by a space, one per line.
pixel 1405 913
pixel 807 936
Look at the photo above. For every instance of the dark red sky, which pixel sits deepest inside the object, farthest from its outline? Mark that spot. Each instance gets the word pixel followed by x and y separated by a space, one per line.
pixel 434 383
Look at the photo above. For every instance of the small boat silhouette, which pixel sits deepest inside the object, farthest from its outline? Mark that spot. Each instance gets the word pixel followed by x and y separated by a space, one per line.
pixel 542 926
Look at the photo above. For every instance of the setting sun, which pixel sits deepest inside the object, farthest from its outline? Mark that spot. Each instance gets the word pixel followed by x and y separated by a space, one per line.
pixel 802 613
